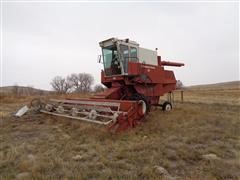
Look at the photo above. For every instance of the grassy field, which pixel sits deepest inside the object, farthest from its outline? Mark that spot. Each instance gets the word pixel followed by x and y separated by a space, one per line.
pixel 199 139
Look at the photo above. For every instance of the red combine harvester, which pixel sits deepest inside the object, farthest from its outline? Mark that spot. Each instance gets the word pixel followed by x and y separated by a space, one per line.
pixel 135 79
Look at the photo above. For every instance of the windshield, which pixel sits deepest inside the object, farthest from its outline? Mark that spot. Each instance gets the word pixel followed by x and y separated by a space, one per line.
pixel 111 61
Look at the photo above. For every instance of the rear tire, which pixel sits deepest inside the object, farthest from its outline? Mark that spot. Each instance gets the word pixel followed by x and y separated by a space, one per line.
pixel 167 106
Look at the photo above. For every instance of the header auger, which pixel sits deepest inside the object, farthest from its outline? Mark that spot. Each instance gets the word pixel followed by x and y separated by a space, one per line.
pixel 135 79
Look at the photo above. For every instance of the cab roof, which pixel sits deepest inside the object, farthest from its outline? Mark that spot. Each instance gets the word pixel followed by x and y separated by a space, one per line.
pixel 113 39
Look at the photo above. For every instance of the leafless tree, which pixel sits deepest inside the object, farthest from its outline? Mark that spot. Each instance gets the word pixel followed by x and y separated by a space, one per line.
pixel 61 85
pixel 75 82
pixel 98 88
pixel 87 81
pixel 81 82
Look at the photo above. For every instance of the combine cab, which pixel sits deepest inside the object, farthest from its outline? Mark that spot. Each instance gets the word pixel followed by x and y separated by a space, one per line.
pixel 135 79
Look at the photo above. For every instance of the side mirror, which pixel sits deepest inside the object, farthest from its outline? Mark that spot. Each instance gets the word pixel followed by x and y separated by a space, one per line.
pixel 99 58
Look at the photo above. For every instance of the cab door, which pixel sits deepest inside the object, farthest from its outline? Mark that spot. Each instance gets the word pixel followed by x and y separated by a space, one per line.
pixel 124 50
pixel 128 53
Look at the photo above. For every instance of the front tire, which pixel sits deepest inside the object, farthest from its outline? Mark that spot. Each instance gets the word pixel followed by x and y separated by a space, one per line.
pixel 142 100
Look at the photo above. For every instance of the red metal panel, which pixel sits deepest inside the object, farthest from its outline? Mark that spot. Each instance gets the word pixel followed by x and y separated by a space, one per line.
pixel 133 68
pixel 111 93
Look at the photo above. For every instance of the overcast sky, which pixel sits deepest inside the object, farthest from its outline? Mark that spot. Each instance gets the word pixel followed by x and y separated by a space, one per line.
pixel 42 40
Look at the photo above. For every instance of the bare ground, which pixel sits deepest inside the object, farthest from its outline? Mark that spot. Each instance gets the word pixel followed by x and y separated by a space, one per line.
pixel 197 140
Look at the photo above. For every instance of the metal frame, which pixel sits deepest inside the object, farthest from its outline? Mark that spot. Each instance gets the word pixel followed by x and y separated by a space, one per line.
pixel 78 118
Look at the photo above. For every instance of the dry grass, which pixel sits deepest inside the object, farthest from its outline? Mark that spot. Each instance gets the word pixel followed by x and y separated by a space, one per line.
pixel 43 146
pixel 218 96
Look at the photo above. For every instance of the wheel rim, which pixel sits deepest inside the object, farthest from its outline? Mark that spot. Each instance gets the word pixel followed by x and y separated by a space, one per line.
pixel 143 107
pixel 168 107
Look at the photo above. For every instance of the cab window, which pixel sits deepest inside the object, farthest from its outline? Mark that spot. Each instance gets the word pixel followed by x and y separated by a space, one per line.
pixel 124 51
pixel 133 54
pixel 125 54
